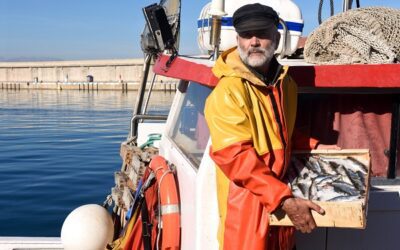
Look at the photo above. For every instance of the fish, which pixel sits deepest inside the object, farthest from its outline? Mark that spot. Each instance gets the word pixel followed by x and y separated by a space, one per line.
pixel 343 174
pixel 358 182
pixel 345 187
pixel 325 188
pixel 297 192
pixel 356 164
pixel 349 162
pixel 324 178
pixel 363 179
pixel 346 198
pixel 304 188
pixel 313 165
pixel 326 167
pixel 327 192
pixel 313 191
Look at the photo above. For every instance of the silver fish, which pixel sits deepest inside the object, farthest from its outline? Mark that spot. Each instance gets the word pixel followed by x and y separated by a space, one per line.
pixel 343 174
pixel 362 179
pixel 313 191
pixel 328 192
pixel 356 180
pixel 345 187
pixel 305 190
pixel 349 162
pixel 346 198
pixel 297 192
pixel 313 165
pixel 356 164
pixel 326 167
pixel 327 178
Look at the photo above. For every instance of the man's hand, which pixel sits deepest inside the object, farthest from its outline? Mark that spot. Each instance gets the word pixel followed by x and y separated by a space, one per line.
pixel 299 212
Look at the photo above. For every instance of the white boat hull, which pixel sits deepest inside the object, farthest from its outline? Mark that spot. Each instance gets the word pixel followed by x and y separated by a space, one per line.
pixel 27 243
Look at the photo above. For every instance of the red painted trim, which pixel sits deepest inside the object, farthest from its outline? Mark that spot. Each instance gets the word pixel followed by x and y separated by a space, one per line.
pixel 185 70
pixel 318 76
pixel 356 75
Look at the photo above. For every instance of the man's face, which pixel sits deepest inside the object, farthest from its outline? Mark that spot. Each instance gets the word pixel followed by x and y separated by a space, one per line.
pixel 256 48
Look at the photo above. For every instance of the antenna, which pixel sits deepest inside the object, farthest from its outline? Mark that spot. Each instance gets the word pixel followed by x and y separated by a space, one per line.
pixel 217 12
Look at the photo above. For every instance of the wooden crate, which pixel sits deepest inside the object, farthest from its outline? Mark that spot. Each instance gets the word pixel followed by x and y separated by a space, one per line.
pixel 349 214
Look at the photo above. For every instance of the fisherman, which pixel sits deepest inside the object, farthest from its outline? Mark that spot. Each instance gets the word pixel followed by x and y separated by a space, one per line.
pixel 251 115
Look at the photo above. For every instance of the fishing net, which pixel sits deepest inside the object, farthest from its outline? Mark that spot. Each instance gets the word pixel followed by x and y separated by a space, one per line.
pixel 364 35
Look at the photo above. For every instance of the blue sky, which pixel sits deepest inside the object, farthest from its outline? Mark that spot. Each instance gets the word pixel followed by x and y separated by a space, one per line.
pixel 104 29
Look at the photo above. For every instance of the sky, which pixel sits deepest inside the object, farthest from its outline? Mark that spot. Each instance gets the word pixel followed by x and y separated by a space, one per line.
pixel 33 30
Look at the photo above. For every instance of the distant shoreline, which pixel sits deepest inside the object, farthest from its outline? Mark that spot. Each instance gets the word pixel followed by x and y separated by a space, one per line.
pixel 88 86
pixel 115 74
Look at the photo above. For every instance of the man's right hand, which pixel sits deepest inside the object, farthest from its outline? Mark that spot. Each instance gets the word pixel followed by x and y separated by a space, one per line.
pixel 299 212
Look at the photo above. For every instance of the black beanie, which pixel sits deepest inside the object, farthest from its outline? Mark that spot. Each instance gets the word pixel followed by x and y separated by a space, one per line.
pixel 252 17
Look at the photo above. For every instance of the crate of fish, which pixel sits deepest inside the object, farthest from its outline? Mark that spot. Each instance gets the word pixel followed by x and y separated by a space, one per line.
pixel 337 180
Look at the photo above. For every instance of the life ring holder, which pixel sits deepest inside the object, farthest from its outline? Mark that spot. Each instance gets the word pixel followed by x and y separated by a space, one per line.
pixel 168 203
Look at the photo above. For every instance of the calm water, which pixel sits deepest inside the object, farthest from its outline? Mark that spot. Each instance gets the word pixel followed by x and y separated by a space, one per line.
pixel 59 150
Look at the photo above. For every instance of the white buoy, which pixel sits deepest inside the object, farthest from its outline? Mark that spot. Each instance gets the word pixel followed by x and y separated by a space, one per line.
pixel 88 227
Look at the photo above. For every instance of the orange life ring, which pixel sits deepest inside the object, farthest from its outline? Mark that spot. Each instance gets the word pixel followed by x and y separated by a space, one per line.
pixel 170 211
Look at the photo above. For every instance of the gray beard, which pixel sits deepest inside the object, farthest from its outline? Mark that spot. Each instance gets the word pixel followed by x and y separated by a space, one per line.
pixel 257 62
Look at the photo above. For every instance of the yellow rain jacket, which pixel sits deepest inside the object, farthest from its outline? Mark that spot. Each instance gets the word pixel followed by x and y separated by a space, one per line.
pixel 251 124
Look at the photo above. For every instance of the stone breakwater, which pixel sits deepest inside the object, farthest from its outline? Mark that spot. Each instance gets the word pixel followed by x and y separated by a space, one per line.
pixel 119 74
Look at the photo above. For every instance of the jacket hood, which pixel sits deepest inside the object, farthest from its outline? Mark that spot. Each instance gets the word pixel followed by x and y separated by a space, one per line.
pixel 230 64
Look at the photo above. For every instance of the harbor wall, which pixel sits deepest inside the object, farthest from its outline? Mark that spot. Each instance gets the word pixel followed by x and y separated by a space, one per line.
pixel 119 74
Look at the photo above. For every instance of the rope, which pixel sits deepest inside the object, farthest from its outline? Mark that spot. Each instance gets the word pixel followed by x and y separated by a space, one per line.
pixel 151 138
pixel 159 207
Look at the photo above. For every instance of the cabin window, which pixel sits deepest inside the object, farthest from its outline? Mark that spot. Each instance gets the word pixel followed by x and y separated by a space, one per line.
pixel 190 131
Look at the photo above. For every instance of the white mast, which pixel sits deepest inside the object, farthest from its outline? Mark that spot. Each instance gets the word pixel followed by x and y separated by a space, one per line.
pixel 347 5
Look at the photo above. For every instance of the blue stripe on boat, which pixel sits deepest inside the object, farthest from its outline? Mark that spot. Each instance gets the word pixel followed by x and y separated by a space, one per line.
pixel 227 21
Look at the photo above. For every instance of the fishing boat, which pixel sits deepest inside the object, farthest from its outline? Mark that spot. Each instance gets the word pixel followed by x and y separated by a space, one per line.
pixel 184 145
pixel 166 160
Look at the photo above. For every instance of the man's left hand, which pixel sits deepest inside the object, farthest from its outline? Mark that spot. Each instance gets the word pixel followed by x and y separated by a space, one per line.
pixel 299 212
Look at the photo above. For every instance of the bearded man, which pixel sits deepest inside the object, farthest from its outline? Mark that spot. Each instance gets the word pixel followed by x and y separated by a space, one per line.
pixel 251 115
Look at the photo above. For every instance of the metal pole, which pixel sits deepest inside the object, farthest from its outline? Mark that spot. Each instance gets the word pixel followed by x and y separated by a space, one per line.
pixel 136 118
pixel 146 103
pixel 347 5
pixel 139 100
pixel 217 11
pixel 215 35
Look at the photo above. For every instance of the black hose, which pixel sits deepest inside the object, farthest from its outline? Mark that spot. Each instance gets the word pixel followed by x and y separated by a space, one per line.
pixel 358 3
pixel 321 2
pixel 332 10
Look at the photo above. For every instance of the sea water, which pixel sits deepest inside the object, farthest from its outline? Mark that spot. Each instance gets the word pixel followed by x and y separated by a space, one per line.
pixel 59 150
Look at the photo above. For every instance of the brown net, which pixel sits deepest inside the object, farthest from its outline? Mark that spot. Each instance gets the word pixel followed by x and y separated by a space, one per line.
pixel 364 35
